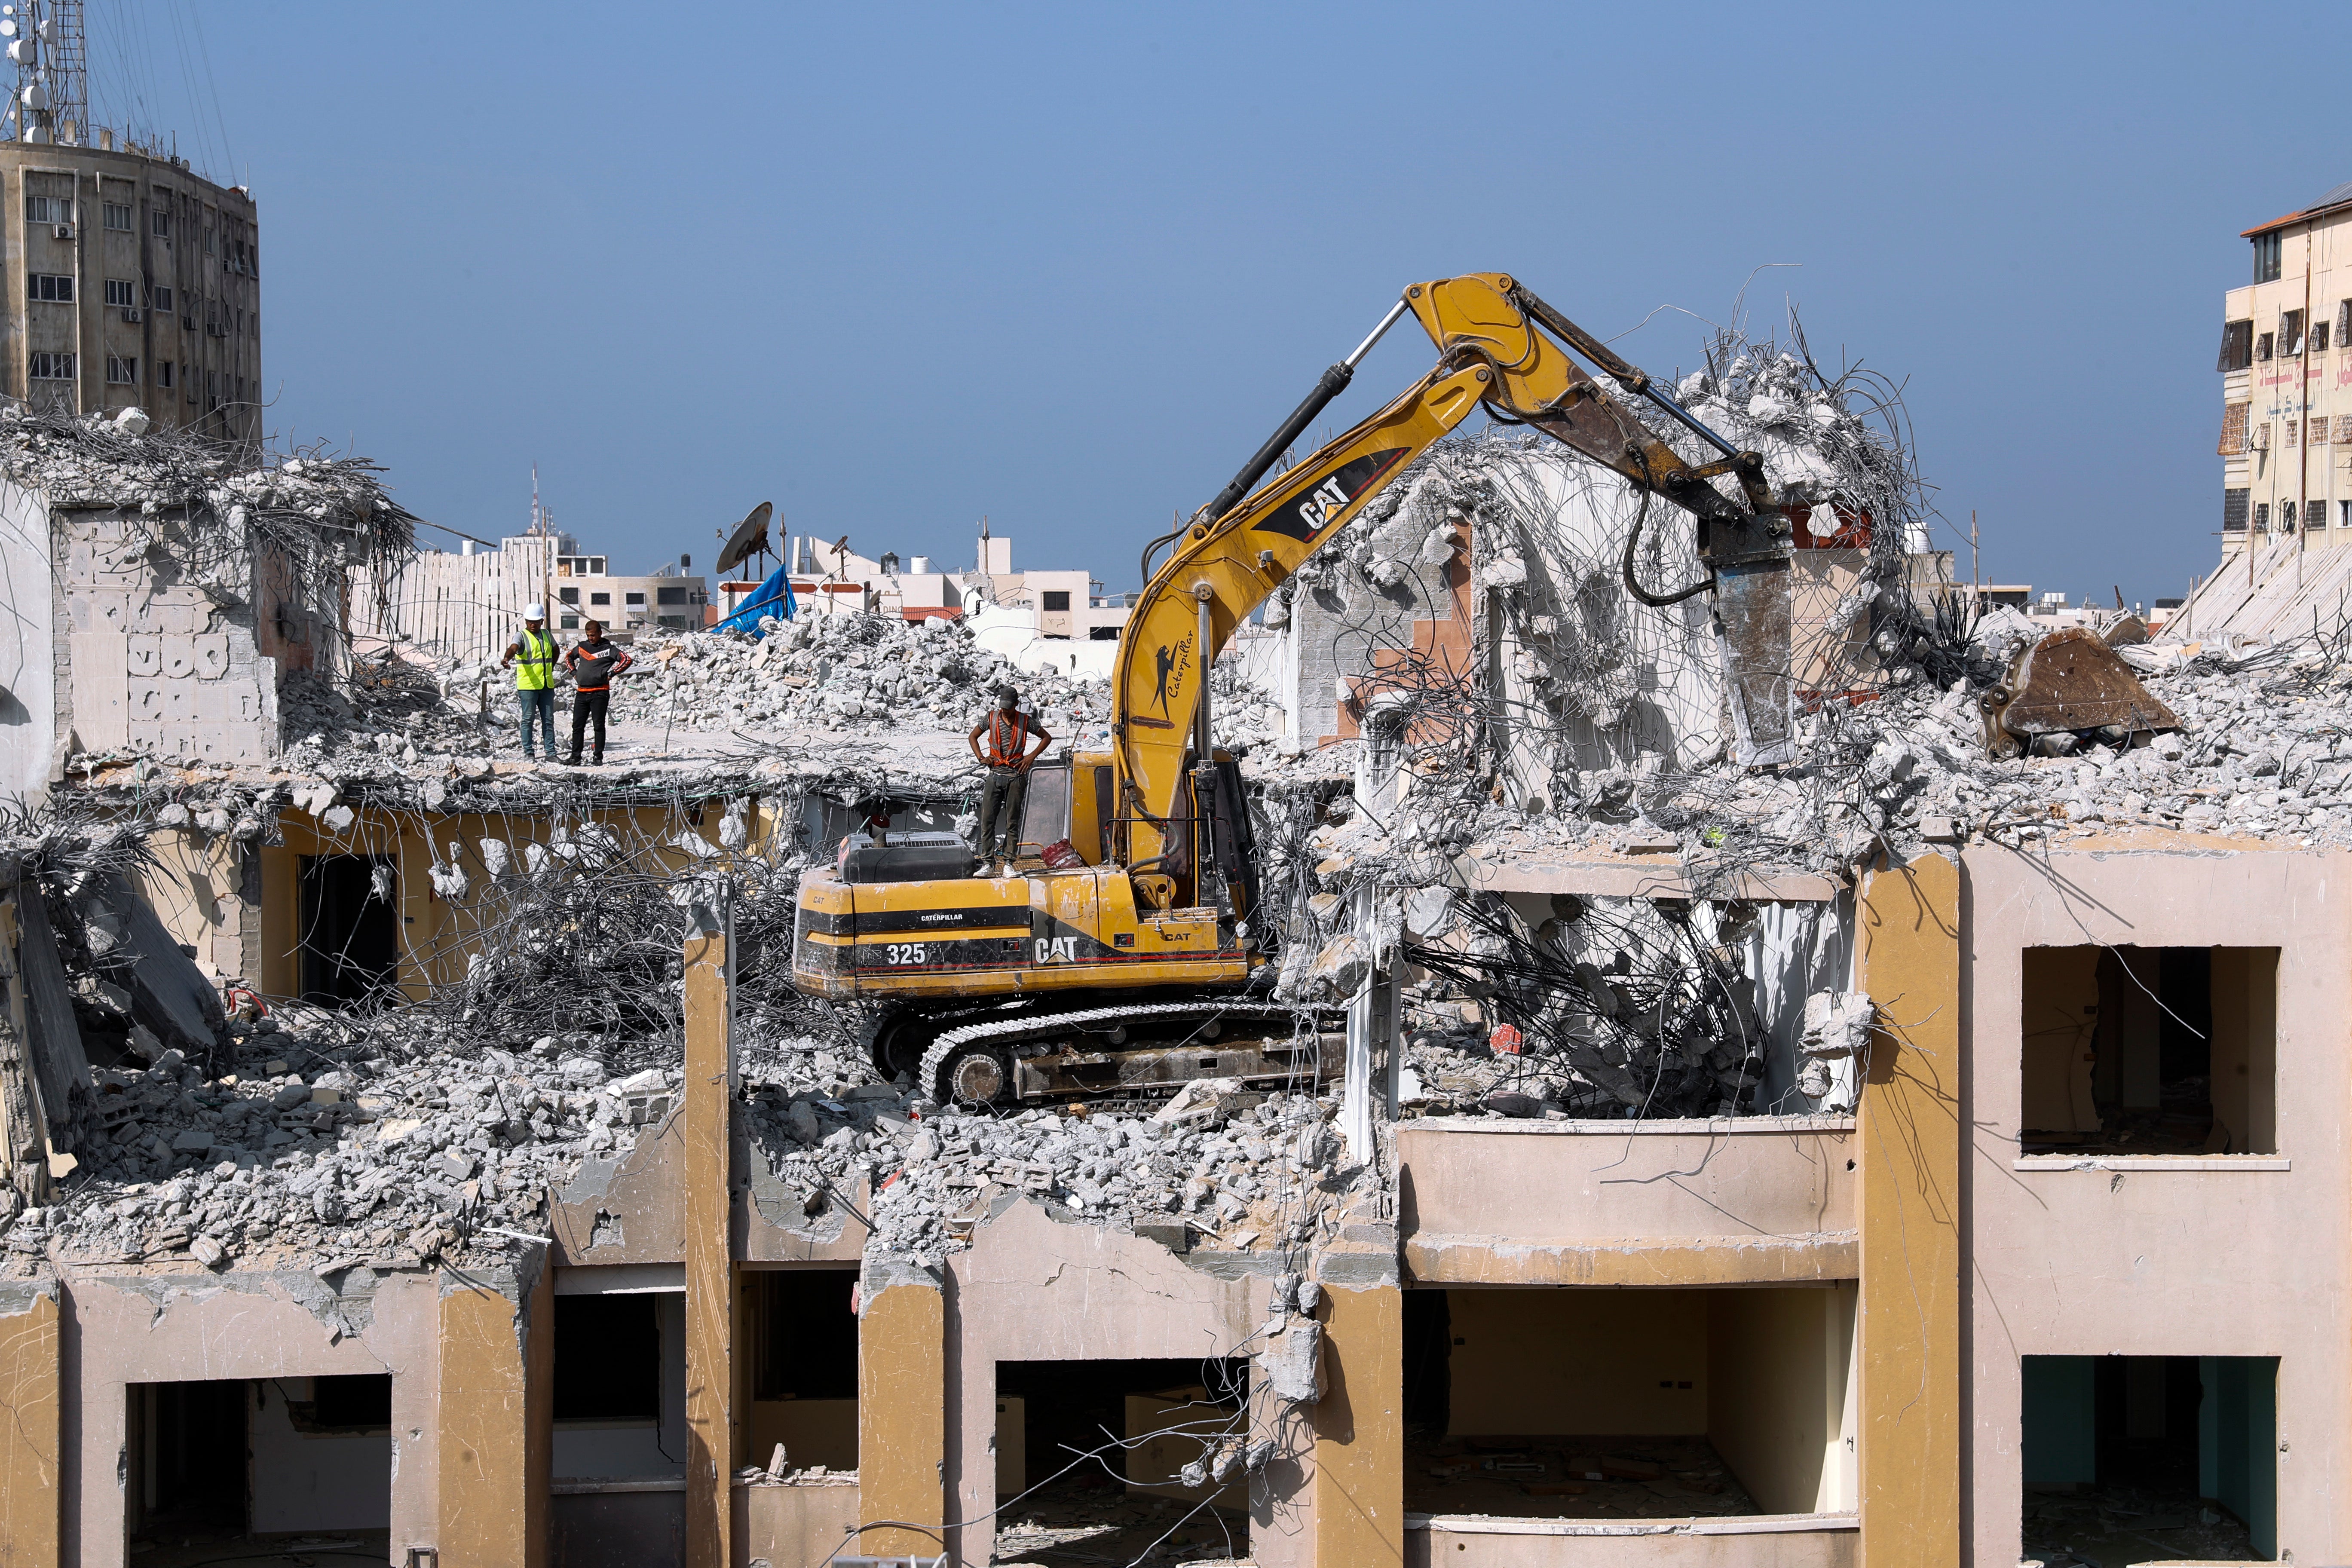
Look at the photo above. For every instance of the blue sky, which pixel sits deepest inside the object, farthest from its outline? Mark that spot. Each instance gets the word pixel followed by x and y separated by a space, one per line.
pixel 897 268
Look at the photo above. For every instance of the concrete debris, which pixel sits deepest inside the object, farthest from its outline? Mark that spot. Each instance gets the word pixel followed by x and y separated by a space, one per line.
pixel 1224 1165
pixel 342 1152
pixel 1292 1362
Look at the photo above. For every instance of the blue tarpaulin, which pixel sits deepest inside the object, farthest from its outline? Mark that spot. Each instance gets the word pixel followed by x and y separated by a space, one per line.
pixel 774 598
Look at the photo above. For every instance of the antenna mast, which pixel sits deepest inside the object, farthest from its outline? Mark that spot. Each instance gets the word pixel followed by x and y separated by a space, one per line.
pixel 45 41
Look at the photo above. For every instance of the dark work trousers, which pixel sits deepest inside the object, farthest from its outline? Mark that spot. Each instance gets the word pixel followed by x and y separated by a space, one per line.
pixel 538 702
pixel 585 706
pixel 999 808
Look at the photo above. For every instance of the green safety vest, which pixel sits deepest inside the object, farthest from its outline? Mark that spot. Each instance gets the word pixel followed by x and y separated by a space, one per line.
pixel 535 664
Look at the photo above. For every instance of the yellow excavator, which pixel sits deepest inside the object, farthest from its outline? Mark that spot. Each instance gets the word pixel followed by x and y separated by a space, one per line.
pixel 1131 970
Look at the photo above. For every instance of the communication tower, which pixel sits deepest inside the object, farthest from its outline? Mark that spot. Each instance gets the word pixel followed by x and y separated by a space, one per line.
pixel 44 40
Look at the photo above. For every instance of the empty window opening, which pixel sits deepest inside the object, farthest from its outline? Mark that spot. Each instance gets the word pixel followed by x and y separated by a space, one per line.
pixel 1097 1453
pixel 351 927
pixel 619 1387
pixel 1055 601
pixel 230 1466
pixel 2180 1451
pixel 804 1369
pixel 1665 1404
pixel 2148 1050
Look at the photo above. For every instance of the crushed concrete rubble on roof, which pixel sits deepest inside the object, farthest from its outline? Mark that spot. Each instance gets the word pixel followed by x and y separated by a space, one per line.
pixel 316 1145
pixel 406 1129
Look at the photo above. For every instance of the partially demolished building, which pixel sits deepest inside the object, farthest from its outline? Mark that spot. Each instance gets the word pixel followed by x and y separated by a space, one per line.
pixel 1914 1151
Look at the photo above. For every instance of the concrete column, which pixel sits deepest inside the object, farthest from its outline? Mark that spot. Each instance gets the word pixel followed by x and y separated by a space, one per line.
pixel 497 1426
pixel 1909 1131
pixel 708 1102
pixel 1360 1428
pixel 31 1378
pixel 902 1414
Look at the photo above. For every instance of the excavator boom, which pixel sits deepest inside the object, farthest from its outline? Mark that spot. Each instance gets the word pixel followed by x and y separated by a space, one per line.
pixel 1499 347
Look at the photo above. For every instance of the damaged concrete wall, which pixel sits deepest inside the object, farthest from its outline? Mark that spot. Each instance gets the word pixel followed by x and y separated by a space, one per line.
pixel 32 682
pixel 173 664
pixel 2195 1255
pixel 1034 1289
pixel 1745 1200
pixel 173 1327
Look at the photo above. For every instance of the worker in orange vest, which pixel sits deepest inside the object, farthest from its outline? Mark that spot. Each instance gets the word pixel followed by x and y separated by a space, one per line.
pixel 1007 759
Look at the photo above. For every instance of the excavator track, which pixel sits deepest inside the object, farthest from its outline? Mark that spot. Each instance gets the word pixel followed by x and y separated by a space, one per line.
pixel 1010 1060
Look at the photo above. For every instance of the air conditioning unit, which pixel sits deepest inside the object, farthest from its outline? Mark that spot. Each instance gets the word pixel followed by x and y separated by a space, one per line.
pixel 63 231
pixel 133 314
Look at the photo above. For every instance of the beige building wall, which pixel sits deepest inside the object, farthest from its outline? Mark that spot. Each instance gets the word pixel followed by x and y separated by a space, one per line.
pixel 164 267
pixel 2286 436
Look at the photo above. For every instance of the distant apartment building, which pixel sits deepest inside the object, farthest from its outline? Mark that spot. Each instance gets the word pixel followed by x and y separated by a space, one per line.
pixel 2286 363
pixel 665 598
pixel 133 283
pixel 828 576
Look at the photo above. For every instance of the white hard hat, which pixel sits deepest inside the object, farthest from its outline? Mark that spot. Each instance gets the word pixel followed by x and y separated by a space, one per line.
pixel 534 611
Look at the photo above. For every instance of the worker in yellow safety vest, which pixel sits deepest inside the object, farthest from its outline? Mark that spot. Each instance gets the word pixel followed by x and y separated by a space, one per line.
pixel 532 657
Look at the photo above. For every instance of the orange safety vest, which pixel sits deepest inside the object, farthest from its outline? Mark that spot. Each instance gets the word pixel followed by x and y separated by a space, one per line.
pixel 1008 737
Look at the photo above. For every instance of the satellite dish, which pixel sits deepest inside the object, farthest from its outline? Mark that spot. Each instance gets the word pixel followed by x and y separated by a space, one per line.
pixel 750 538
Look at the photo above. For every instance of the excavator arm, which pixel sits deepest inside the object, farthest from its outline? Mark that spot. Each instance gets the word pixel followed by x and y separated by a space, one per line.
pixel 1500 347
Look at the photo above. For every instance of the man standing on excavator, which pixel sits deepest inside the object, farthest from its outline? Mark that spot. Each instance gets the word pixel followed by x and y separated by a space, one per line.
pixel 1007 759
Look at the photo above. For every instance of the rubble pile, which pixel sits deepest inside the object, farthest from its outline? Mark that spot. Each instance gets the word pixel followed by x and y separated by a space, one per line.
pixel 330 1150
pixel 843 672
pixel 1242 1170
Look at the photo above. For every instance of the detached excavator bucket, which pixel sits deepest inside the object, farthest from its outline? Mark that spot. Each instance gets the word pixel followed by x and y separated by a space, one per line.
pixel 2070 681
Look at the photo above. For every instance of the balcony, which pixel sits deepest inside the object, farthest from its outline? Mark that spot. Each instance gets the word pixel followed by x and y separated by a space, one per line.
pixel 1739 1201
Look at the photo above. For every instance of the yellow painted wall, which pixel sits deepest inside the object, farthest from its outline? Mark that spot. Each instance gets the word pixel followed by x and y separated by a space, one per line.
pixel 902 1419
pixel 31 1500
pixel 193 887
pixel 1567 1361
pixel 1910 1396
pixel 439 937
pixel 497 1437
pixel 1358 1486
pixel 1777 1363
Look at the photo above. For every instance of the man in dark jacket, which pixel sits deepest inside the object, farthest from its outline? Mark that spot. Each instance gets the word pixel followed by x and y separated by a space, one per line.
pixel 592 662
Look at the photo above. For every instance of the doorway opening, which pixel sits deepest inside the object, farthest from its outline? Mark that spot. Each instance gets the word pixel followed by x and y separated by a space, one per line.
pixel 350 931
pixel 2166 1457
pixel 251 1468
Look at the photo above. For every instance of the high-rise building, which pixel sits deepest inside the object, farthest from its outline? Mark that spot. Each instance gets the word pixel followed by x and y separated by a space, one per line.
pixel 132 281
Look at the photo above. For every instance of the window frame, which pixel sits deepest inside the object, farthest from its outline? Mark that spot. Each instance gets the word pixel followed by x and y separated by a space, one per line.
pixel 2236 418
pixel 61 366
pixel 2270 256
pixel 128 290
pixel 35 281
pixel 129 367
pixel 2237 346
